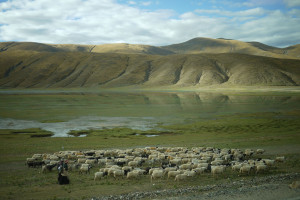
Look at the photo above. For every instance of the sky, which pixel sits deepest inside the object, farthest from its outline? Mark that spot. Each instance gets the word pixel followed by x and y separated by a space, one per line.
pixel 151 22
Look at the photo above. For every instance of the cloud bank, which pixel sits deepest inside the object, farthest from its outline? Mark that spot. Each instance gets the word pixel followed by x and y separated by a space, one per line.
pixel 109 21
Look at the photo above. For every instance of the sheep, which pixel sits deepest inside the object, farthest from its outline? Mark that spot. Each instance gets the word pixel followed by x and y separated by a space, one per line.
pixel 173 173
pixel 30 162
pixel 269 162
pixel 81 160
pixel 118 173
pixel 176 161
pixel 168 169
pixel 191 173
pixel 186 166
pixel 236 167
pixel 85 168
pixel 53 157
pixel 260 151
pixel 140 171
pixel 133 175
pixel 133 163
pixel 280 159
pixel 157 174
pixel 180 177
pixel 73 166
pixel 217 162
pixel 47 168
pixel 101 162
pixel 152 169
pixel 246 169
pixel 200 170
pixel 98 175
pixel 261 168
pixel 90 161
pixel 111 171
pixel 295 185
pixel 217 170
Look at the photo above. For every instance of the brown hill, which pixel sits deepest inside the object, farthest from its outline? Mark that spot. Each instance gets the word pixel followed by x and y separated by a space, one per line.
pixel 122 48
pixel 27 46
pixel 207 45
pixel 32 69
pixel 193 46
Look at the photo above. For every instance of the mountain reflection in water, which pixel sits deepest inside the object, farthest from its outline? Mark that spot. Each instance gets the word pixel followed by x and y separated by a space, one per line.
pixel 62 112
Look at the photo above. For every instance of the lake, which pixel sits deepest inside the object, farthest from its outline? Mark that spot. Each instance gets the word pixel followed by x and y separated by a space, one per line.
pixel 65 111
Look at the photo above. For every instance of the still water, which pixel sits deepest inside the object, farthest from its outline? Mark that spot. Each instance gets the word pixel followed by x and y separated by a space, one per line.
pixel 62 112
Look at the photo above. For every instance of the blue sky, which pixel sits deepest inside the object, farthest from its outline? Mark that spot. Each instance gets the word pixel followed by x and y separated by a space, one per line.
pixel 153 22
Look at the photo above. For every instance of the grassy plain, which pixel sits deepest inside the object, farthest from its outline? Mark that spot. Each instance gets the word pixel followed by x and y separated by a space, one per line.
pixel 278 133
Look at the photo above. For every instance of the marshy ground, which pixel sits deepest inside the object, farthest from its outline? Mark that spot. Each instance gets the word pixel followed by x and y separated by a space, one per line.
pixel 277 131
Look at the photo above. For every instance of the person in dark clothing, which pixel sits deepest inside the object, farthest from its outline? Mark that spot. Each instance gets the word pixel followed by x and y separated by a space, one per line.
pixel 62 173
pixel 62 180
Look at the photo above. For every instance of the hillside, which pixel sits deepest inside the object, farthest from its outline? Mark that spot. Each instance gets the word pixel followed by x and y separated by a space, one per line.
pixel 207 45
pixel 195 63
pixel 193 46
pixel 31 69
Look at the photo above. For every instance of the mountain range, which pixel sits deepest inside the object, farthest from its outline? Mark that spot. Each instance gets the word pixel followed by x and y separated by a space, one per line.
pixel 194 63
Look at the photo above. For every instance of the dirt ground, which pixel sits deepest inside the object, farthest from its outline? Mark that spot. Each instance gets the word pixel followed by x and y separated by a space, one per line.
pixel 274 188
pixel 264 191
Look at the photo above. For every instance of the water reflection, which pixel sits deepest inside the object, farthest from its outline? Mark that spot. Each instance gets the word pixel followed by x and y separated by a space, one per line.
pixel 74 111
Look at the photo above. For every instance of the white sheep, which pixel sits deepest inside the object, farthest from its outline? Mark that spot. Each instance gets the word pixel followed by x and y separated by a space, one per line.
pixel 176 161
pixel 280 159
pixel 118 173
pixel 152 169
pixel 261 168
pixel 157 174
pixel 133 175
pixel 140 171
pixel 236 167
pixel 186 166
pixel 217 170
pixel 81 160
pixel 133 163
pixel 191 173
pixel 98 175
pixel 246 169
pixel 180 177
pixel 168 169
pixel 269 162
pixel 200 170
pixel 217 162
pixel 85 168
pixel 260 151
pixel 111 171
pixel 173 174
pixel 90 161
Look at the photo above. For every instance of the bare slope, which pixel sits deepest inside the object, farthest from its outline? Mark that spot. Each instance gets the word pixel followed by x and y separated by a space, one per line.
pixel 193 46
pixel 207 45
pixel 122 48
pixel 29 69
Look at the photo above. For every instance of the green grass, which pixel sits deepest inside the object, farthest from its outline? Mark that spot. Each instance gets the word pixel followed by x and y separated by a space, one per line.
pixel 278 133
pixel 31 132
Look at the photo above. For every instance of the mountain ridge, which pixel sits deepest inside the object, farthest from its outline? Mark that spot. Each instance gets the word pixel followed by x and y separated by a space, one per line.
pixel 189 64
pixel 193 46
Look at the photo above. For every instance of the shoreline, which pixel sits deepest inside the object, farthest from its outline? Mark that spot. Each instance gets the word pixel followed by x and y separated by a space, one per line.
pixel 133 89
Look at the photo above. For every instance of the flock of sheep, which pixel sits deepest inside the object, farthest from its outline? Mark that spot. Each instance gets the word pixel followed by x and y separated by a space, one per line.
pixel 178 163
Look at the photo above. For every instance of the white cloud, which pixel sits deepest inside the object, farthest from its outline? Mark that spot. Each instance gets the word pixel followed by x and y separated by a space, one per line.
pixel 106 21
pixel 292 3
pixel 250 12
pixel 146 3
pixel 132 2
